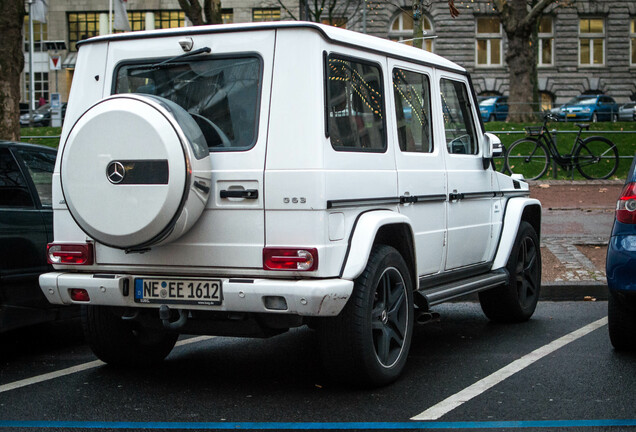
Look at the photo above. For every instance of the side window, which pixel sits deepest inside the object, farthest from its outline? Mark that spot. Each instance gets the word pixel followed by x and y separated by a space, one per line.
pixel 458 118
pixel 14 191
pixel 40 165
pixel 413 111
pixel 355 105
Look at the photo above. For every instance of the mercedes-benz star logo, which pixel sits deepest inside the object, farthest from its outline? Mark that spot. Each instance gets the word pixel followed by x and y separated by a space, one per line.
pixel 115 172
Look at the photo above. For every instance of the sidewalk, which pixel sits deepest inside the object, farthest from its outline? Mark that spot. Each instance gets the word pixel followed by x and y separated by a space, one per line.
pixel 576 225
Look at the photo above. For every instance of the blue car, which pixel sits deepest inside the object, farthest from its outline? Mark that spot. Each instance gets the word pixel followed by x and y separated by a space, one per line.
pixel 494 108
pixel 589 108
pixel 621 269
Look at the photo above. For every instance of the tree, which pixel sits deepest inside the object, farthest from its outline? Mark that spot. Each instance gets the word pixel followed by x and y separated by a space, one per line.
pixel 12 14
pixel 520 20
pixel 210 13
pixel 331 12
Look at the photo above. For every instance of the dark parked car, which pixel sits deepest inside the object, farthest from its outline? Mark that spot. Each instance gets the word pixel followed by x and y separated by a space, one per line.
pixel 494 108
pixel 627 112
pixel 621 268
pixel 41 116
pixel 589 108
pixel 26 225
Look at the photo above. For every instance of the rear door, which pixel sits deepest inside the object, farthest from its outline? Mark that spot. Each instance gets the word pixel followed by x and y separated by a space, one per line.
pixel 24 230
pixel 227 92
pixel 420 163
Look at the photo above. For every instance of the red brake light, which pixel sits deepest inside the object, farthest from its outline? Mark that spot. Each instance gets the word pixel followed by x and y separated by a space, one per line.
pixel 626 205
pixel 290 259
pixel 74 254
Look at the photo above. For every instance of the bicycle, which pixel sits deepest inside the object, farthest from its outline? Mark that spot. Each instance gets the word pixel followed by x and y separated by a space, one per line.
pixel 594 157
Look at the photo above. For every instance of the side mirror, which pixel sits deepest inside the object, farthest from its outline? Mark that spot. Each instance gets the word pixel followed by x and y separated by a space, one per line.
pixel 494 145
pixel 493 148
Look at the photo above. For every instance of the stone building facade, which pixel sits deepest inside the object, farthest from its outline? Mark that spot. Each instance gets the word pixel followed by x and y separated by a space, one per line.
pixel 587 47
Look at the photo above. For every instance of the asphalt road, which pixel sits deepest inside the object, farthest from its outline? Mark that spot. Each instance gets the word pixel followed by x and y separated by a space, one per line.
pixel 555 372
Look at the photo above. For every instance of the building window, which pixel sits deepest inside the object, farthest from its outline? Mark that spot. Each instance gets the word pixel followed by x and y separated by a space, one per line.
pixel 546 101
pixel 546 42
pixel 488 42
pixel 41 88
pixel 266 14
pixel 632 38
pixel 137 20
pixel 401 29
pixel 81 25
pixel 227 16
pixel 40 33
pixel 592 42
pixel 169 19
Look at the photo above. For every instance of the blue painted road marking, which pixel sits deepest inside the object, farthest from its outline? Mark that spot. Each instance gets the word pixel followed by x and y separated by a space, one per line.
pixel 317 426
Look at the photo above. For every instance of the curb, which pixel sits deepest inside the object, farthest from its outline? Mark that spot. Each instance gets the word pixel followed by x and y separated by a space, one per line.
pixel 573 291
pixel 575 182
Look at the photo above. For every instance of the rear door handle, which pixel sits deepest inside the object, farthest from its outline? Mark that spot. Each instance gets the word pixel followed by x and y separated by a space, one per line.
pixel 245 193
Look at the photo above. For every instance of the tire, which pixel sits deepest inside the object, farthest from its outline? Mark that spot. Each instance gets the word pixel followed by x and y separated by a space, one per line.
pixel 124 343
pixel 621 324
pixel 517 300
pixel 596 158
pixel 529 157
pixel 368 343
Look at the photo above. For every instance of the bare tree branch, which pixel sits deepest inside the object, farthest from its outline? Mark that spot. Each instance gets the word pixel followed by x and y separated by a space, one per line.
pixel 192 9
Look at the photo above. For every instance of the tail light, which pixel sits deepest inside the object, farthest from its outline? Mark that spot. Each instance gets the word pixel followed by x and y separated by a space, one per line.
pixel 290 259
pixel 626 205
pixel 66 253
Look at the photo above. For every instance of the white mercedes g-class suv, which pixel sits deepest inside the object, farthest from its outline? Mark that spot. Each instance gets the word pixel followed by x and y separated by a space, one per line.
pixel 242 180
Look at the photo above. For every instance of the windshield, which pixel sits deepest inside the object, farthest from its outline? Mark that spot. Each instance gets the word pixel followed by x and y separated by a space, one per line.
pixel 582 100
pixel 488 102
pixel 221 95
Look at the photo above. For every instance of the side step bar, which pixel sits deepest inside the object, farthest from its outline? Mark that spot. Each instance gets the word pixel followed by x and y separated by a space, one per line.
pixel 443 293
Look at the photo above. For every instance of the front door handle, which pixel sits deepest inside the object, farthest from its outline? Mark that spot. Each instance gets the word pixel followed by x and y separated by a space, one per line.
pixel 245 193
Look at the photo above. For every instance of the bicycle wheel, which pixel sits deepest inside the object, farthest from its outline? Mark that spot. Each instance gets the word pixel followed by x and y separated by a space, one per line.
pixel 529 157
pixel 596 158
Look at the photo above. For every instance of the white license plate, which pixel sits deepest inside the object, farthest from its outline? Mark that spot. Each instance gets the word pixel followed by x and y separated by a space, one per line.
pixel 207 292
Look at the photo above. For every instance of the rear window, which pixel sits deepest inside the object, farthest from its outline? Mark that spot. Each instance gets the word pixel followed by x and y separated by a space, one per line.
pixel 221 94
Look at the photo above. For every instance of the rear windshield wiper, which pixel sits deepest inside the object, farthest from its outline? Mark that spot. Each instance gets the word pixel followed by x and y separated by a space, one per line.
pixel 179 57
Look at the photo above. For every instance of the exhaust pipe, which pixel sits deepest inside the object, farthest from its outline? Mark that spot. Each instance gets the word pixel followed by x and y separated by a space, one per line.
pixel 427 317
pixel 164 315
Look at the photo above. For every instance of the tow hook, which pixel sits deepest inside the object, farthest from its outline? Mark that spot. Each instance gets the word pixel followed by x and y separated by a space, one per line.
pixel 164 315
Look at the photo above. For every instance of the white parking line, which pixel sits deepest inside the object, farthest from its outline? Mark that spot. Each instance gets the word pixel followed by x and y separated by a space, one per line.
pixel 452 402
pixel 79 368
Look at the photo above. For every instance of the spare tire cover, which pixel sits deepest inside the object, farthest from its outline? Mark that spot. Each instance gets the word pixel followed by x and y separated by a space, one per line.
pixel 135 171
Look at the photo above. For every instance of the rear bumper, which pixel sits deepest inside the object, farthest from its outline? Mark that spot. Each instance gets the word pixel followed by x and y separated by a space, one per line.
pixel 621 263
pixel 312 297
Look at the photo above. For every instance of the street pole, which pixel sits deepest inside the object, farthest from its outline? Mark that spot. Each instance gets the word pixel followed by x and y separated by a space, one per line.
pixel 110 16
pixel 31 73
